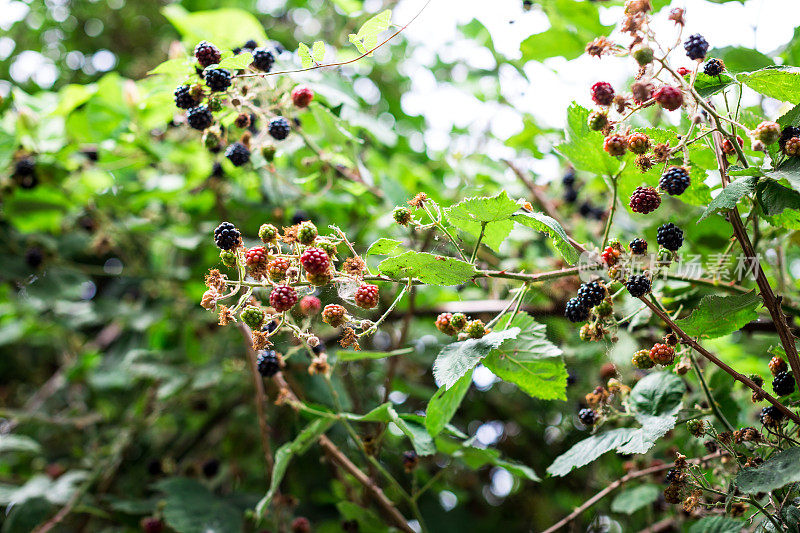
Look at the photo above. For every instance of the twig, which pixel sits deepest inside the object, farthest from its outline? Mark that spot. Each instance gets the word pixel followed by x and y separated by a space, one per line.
pixel 261 398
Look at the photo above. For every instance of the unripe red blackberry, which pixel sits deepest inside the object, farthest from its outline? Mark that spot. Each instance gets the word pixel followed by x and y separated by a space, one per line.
pixel 602 93
pixel 644 200
pixel 697 428
pixel 476 329
pixel 207 54
pixel 683 71
pixel 277 268
pixel 334 315
pixel 310 305
pixel 268 363
pixel 727 145
pixel 792 147
pixel 675 181
pixel 714 67
pixel 444 325
pixel 402 215
pixel 638 143
pixel 199 117
pixel 771 416
pixel 226 236
pixel 615 144
pixel 641 360
pixel 238 154
pixel 638 246
pixel 643 54
pixel 638 285
pixel 783 383
pixel 307 232
pixel 301 525
pixel 669 97
pixel 262 59
pixel 696 46
pixel 279 128
pixel 315 261
pixel 662 354
pixel 366 296
pixel 302 95
pixel 256 255
pixel 767 132
pixel 217 79
pixel 458 321
pixel 591 294
pixel 253 316
pixel 587 417
pixel 670 236
pixel 267 233
pixel 777 365
pixel 575 311
pixel 597 120
pixel 151 524
pixel 282 298
pixel 184 97
pixel 610 256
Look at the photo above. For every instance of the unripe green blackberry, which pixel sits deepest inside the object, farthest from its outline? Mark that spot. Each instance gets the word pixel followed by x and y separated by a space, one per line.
pixel 641 360
pixel 328 247
pixel 307 233
pixel 767 132
pixel 606 308
pixel 597 120
pixel 268 152
pixel 697 428
pixel 458 321
pixel 267 233
pixel 643 54
pixel 252 316
pixel 475 329
pixel 585 333
pixel 402 215
pixel 212 140
pixel 228 258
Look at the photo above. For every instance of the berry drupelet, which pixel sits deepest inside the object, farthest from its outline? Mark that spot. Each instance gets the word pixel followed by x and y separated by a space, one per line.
pixel 207 54
pixel 638 285
pixel 217 79
pixel 714 67
pixel 696 46
pixel 253 316
pixel 670 236
pixel 263 59
pixel 268 363
pixel 334 315
pixel 279 128
pixel 638 143
pixel 675 181
pixel 638 246
pixel 575 311
pixel 282 298
pixel 226 236
pixel 591 294
pixel 644 200
pixel 444 324
pixel 184 99
pixel 783 383
pixel 238 154
pixel 277 268
pixel 587 417
pixel 199 117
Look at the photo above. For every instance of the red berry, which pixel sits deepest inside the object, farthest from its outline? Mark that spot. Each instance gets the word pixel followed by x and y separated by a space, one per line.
pixel 644 200
pixel 310 305
pixel 662 354
pixel 367 296
pixel 277 268
pixel 615 144
pixel 728 148
pixel 335 315
pixel 444 325
pixel 255 255
pixel 301 525
pixel 669 97
pixel 302 95
pixel 282 298
pixel 602 93
pixel 610 256
pixel 151 524
pixel 683 71
pixel 207 54
pixel 315 261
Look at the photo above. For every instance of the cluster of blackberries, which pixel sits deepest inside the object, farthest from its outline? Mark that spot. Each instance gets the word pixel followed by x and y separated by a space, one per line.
pixel 586 209
pixel 590 295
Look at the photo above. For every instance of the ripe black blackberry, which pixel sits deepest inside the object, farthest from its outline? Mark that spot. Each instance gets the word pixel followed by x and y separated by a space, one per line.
pixel 670 236
pixel 24 167
pixel 638 285
pixel 226 236
pixel 714 67
pixel 268 364
pixel 591 294
pixel 675 181
pixel 575 311
pixel 199 117
pixel 783 383
pixel 206 54
pixel 570 195
pixel 771 416
pixel 269 327
pixel 263 59
pixel 238 154
pixel 638 246
pixel 217 79
pixel 251 44
pixel 279 128
pixel 787 133
pixel 696 46
pixel 184 98
pixel 569 178
pixel 34 257
pixel 587 417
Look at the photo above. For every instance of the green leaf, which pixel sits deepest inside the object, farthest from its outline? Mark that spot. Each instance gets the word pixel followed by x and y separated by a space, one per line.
pixel 730 195
pixel 368 522
pixel 587 450
pixel 418 435
pixel 493 212
pixel 657 394
pixel 305 55
pixel 444 404
pixel 318 51
pixel 779 470
pixel 237 62
pixel 741 59
pixel 384 246
pixel 781 83
pixel 358 355
pixel 717 524
pixel 708 85
pixel 475 458
pixel 367 36
pixel 284 455
pixel 552 228
pixel 631 500
pixel 192 508
pixel 530 361
pixel 644 438
pixel 428 268
pixel 775 198
pixel 18 443
pixel 572 25
pixel 215 25
pixel 584 147
pixel 720 315
pixel 458 358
